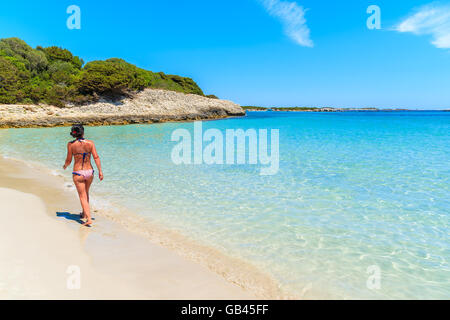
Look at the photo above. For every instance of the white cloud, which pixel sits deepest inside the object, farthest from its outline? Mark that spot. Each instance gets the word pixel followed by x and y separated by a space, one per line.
pixel 293 18
pixel 431 20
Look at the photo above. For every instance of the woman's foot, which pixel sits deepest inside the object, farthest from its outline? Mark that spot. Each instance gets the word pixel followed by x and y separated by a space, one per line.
pixel 87 223
pixel 82 215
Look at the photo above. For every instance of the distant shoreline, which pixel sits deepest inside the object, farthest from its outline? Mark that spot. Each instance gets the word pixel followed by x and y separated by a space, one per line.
pixel 305 109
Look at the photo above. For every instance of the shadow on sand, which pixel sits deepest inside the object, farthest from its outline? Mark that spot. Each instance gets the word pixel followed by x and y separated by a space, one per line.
pixel 70 216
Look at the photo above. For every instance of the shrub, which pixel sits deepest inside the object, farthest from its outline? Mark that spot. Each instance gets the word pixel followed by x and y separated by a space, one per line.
pixel 34 60
pixel 60 54
pixel 54 75
pixel 12 81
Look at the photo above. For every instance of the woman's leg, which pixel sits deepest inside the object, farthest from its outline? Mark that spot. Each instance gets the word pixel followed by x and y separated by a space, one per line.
pixel 88 186
pixel 80 184
pixel 88 183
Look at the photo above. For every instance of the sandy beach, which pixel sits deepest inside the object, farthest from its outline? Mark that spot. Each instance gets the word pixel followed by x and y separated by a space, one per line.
pixel 44 248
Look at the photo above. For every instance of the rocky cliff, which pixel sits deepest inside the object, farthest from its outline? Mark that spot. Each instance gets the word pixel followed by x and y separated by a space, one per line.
pixel 147 106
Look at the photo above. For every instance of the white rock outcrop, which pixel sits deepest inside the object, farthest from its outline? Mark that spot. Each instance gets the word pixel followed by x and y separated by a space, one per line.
pixel 147 106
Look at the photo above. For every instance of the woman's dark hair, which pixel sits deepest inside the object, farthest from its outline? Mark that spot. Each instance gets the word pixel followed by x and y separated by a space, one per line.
pixel 77 131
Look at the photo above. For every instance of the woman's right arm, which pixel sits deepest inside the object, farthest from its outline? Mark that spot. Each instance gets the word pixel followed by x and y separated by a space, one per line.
pixel 97 161
pixel 68 157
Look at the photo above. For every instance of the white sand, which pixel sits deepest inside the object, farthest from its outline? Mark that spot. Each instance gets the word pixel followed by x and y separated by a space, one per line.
pixel 37 250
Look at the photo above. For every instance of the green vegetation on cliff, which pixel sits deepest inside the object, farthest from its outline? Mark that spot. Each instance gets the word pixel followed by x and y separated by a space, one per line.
pixel 281 108
pixel 254 108
pixel 55 76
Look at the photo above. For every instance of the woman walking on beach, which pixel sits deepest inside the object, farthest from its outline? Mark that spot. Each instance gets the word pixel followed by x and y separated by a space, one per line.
pixel 83 172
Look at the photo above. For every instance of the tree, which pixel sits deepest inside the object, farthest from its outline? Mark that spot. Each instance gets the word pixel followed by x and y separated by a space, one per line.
pixel 54 75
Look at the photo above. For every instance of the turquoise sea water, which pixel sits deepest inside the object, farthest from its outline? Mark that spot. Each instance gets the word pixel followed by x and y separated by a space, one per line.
pixel 354 190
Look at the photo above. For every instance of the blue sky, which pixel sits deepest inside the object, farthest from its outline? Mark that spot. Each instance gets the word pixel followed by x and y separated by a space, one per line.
pixel 262 52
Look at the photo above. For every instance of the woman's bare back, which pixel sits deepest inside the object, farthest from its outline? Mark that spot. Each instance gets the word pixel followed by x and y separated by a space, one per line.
pixel 81 151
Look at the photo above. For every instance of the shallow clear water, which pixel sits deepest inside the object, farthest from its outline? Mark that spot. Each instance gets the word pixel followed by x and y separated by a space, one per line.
pixel 354 190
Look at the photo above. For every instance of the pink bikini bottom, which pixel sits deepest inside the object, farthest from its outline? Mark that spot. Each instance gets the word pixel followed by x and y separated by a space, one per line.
pixel 86 174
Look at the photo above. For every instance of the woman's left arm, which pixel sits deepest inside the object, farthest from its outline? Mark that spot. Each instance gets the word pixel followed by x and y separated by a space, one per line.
pixel 69 156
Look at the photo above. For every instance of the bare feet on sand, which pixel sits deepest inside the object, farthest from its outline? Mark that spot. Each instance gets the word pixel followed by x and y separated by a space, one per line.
pixel 88 223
